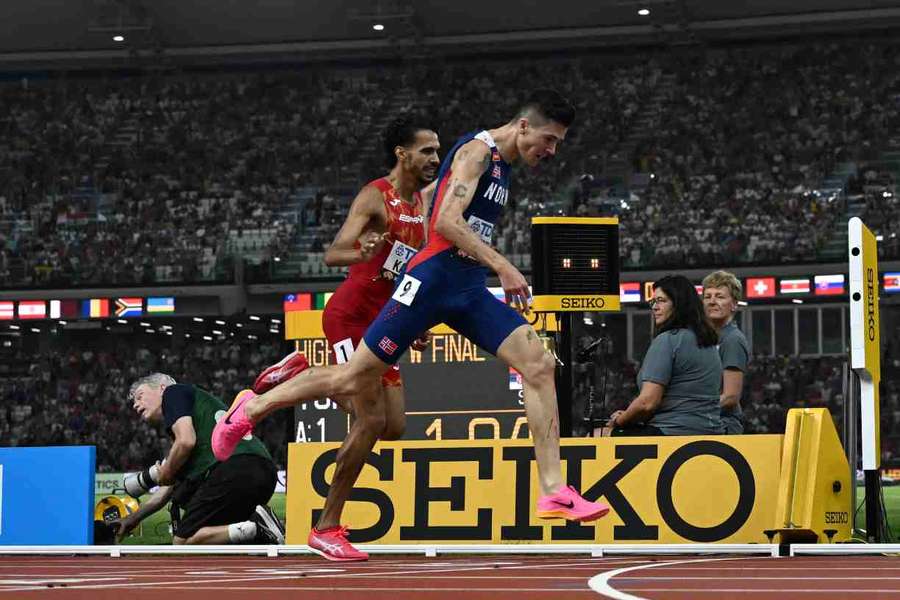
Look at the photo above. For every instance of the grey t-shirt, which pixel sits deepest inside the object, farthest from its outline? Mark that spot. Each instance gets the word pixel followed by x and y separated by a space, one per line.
pixel 692 377
pixel 735 354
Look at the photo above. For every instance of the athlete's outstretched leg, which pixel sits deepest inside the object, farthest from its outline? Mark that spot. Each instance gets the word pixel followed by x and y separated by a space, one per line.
pixel 523 351
pixel 328 537
pixel 365 430
pixel 360 374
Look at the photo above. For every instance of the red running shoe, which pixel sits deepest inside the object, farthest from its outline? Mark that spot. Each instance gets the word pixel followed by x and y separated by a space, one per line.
pixel 333 545
pixel 284 369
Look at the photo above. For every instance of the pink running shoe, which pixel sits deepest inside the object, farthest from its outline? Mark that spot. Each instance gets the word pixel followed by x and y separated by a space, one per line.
pixel 232 427
pixel 333 545
pixel 284 369
pixel 568 504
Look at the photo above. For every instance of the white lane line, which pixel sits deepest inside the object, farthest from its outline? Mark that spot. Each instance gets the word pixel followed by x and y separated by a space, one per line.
pixel 150 584
pixel 858 591
pixel 332 588
pixel 56 580
pixel 600 582
pixel 651 577
pixel 390 573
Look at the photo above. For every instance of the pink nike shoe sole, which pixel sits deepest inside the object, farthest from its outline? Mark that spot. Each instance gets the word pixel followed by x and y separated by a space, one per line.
pixel 232 428
pixel 568 504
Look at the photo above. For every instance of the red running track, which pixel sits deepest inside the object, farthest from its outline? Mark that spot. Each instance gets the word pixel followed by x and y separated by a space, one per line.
pixel 447 578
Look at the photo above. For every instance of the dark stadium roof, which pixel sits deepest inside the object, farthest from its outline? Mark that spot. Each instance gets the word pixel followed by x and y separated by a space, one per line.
pixel 44 31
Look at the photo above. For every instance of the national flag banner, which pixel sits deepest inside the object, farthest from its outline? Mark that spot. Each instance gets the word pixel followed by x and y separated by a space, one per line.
pixel 760 287
pixel 892 283
pixel 129 307
pixel 68 309
pixel 829 285
pixel 794 286
pixel 95 308
pixel 515 379
pixel 32 309
pixel 7 310
pixel 164 304
pixel 295 302
pixel 630 292
pixel 648 291
pixel 322 299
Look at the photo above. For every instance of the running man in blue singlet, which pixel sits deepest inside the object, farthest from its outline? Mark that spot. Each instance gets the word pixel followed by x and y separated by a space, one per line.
pixel 446 283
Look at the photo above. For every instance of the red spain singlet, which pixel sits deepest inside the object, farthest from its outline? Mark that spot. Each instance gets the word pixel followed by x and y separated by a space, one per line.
pixel 369 284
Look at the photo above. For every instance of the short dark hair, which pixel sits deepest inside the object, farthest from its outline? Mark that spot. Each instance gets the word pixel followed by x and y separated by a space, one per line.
pixel 550 105
pixel 687 310
pixel 401 132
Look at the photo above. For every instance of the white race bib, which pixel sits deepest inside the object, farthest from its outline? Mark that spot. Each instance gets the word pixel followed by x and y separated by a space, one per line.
pixel 481 228
pixel 399 256
pixel 406 291
pixel 343 350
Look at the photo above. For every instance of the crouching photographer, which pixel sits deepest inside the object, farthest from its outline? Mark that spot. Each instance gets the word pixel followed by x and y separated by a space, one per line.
pixel 212 502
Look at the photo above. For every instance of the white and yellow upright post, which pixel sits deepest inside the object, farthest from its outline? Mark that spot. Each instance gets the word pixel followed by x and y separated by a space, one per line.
pixel 865 360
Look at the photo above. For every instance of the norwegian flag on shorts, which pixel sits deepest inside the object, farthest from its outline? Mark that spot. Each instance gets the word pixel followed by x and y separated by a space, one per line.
pixel 387 345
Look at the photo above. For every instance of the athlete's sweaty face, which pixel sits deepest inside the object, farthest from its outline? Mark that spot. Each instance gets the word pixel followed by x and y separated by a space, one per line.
pixel 538 140
pixel 421 158
pixel 147 402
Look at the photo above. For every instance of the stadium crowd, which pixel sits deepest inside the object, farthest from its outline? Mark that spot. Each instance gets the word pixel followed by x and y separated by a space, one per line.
pixel 78 393
pixel 126 180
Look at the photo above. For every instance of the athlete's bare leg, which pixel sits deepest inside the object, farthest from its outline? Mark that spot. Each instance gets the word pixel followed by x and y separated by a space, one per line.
pixel 394 412
pixel 367 426
pixel 361 374
pixel 523 351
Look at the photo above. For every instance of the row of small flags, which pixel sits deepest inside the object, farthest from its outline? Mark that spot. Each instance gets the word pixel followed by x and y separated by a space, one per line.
pixel 768 287
pixel 318 300
pixel 306 301
pixel 93 308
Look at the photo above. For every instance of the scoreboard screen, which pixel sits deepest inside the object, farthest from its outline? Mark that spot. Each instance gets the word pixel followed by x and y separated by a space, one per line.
pixel 575 263
pixel 453 389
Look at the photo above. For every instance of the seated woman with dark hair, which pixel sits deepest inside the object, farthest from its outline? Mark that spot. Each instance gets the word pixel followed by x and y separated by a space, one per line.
pixel 681 373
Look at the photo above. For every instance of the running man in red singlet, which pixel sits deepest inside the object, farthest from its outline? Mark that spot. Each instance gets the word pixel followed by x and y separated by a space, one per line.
pixel 383 230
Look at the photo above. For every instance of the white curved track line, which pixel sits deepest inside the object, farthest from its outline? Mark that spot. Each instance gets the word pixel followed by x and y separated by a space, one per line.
pixel 600 582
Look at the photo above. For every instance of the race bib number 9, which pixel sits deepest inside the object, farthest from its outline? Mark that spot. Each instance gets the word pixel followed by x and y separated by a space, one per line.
pixel 406 291
pixel 482 228
pixel 399 256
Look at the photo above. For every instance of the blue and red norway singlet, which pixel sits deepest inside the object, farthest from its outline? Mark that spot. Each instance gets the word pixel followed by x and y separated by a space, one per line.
pixel 487 203
pixel 441 284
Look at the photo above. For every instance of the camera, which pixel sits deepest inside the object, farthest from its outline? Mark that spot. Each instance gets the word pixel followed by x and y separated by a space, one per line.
pixel 138 484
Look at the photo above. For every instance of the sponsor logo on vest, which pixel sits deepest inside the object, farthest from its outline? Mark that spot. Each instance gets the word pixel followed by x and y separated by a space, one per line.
pixel 497 193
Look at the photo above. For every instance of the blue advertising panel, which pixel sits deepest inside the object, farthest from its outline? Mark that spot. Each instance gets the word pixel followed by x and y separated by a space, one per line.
pixel 47 496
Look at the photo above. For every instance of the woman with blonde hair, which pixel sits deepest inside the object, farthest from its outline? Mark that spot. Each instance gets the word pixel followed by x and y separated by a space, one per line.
pixel 721 293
